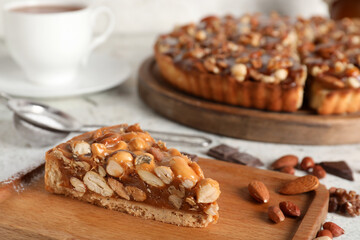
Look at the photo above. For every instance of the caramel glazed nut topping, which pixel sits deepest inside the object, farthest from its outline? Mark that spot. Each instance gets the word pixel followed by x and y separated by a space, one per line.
pixel 270 49
pixel 125 162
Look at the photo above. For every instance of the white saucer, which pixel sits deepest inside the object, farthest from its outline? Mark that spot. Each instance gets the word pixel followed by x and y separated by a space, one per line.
pixel 102 72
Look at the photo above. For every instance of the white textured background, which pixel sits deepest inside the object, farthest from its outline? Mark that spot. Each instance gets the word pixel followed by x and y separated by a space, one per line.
pixel 138 16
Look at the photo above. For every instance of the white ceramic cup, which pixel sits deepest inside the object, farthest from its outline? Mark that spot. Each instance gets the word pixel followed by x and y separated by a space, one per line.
pixel 50 47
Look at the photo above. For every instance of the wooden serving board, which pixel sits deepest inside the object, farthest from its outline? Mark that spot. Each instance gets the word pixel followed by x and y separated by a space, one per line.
pixel 302 127
pixel 36 214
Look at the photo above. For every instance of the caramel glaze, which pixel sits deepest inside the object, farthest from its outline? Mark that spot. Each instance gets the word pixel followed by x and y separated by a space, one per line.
pixel 157 196
pixel 257 38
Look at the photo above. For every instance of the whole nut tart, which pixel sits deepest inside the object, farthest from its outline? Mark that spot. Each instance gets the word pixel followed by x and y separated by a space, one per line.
pixel 263 62
pixel 123 168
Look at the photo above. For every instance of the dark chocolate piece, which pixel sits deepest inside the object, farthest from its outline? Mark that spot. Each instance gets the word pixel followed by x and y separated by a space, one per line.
pixel 245 159
pixel 229 154
pixel 193 157
pixel 340 169
pixel 222 152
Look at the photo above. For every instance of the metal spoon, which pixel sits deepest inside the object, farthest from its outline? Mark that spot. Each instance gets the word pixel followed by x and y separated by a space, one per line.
pixel 50 125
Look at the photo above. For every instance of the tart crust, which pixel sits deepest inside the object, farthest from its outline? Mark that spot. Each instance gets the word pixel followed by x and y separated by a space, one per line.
pixel 333 101
pixel 225 89
pixel 53 184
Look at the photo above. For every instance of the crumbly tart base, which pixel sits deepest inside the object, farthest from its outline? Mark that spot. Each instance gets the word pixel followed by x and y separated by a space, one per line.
pixel 224 89
pixel 333 101
pixel 53 184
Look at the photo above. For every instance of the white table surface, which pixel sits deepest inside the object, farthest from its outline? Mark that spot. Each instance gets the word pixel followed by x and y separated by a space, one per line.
pixel 122 104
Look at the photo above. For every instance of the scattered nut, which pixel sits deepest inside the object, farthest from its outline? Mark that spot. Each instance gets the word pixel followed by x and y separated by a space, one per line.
pixel 288 170
pixel 300 185
pixel 99 150
pixel 200 35
pixel 285 161
pixel 353 82
pixel 197 169
pixel 183 171
pixel 145 162
pixel 259 191
pixel 81 148
pixel 136 193
pixel 137 143
pixel 96 183
pixel 281 74
pixel 114 169
pixel 307 163
pixel 82 164
pixel 239 71
pixel 101 171
pixel 319 172
pixel 78 185
pixel 150 178
pixel 212 209
pixel 325 232
pixel 175 201
pixel 207 191
pixel 165 174
pixel 334 229
pixel 190 201
pixel 275 214
pixel 119 188
pixel 174 191
pixel 323 238
pixel 290 209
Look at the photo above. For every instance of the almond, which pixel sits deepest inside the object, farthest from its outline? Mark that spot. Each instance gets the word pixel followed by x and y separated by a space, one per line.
pixel 290 209
pixel 323 238
pixel 334 229
pixel 300 185
pixel 288 170
pixel 275 214
pixel 325 232
pixel 307 163
pixel 285 161
pixel 319 172
pixel 259 191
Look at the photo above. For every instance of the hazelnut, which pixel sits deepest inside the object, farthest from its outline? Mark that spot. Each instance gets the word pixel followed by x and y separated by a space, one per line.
pixel 239 71
pixel 319 172
pixel 81 148
pixel 307 163
pixel 137 144
pixel 207 191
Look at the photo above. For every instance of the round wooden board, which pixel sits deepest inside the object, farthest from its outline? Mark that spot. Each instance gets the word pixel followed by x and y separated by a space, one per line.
pixel 302 127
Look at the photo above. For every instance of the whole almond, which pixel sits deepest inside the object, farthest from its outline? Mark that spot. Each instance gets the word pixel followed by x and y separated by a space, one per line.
pixel 290 209
pixel 275 214
pixel 288 170
pixel 285 161
pixel 334 229
pixel 300 185
pixel 325 232
pixel 319 172
pixel 307 163
pixel 323 238
pixel 259 191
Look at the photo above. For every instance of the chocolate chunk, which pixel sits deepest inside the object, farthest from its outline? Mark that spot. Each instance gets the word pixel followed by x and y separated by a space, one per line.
pixel 222 152
pixel 230 154
pixel 193 157
pixel 245 159
pixel 340 169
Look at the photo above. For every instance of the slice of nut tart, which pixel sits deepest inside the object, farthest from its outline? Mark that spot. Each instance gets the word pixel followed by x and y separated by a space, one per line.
pixel 122 168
